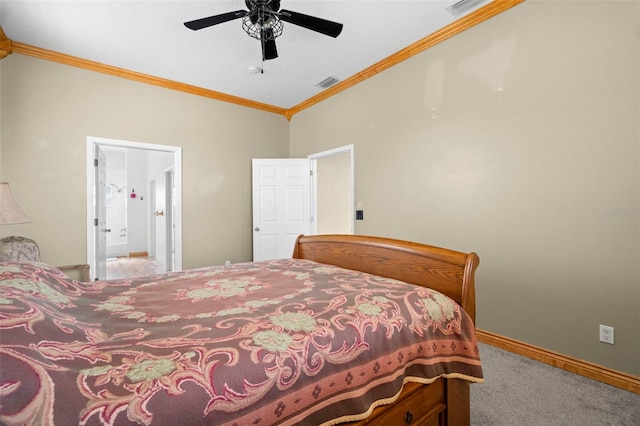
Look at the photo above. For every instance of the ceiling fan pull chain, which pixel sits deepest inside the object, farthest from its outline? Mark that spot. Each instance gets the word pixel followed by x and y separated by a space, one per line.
pixel 262 43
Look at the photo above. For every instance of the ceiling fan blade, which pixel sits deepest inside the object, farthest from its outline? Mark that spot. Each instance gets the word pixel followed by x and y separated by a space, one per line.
pixel 330 28
pixel 268 42
pixel 201 23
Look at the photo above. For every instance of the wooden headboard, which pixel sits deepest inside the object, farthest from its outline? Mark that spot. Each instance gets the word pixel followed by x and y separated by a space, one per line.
pixel 447 271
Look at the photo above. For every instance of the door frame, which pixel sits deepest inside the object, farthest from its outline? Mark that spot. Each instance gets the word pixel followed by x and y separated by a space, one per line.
pixel 313 158
pixel 92 142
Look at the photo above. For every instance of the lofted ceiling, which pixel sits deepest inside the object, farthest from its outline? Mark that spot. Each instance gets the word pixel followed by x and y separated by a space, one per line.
pixel 148 39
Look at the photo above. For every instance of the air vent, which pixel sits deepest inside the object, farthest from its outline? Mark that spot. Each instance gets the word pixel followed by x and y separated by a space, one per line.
pixel 327 82
pixel 463 6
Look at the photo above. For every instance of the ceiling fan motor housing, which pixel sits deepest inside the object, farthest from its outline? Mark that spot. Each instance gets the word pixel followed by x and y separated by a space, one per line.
pixel 262 21
pixel 261 11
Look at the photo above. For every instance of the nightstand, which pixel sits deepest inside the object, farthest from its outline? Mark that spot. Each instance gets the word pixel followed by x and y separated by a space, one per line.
pixel 76 272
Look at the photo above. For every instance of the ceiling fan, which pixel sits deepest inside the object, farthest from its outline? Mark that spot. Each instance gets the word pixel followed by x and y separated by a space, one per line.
pixel 263 21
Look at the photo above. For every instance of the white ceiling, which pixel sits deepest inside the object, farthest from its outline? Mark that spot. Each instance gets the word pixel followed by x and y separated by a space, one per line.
pixel 148 36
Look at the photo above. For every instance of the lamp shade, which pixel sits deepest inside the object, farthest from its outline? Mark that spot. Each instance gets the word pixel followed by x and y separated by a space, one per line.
pixel 10 212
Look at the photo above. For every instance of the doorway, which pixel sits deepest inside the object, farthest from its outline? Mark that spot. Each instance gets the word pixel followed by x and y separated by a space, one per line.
pixel 333 191
pixel 145 205
pixel 293 196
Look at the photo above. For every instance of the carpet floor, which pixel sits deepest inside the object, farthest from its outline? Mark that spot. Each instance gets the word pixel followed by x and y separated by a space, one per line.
pixel 523 392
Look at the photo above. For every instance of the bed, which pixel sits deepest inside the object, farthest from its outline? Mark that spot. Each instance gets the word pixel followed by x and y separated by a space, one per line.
pixel 351 330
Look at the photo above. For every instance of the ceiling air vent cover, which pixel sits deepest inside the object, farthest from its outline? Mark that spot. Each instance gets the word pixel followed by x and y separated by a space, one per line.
pixel 463 6
pixel 327 82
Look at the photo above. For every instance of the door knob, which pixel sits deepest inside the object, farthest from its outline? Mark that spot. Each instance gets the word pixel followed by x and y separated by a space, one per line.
pixel 257 229
pixel 107 230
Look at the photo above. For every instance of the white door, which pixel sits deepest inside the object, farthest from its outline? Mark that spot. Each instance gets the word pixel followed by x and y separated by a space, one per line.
pixel 100 214
pixel 152 221
pixel 170 223
pixel 281 206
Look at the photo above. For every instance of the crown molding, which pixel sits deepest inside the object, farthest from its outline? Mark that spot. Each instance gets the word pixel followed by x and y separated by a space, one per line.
pixel 484 13
pixel 5 45
pixel 74 61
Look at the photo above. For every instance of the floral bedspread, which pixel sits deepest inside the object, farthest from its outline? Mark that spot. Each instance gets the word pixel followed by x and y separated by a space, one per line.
pixel 277 342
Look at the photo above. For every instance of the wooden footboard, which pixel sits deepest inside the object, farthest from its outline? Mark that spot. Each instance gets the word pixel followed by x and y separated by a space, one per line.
pixel 446 401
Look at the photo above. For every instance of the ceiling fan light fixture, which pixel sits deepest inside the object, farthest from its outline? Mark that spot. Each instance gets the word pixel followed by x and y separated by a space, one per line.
pixel 271 26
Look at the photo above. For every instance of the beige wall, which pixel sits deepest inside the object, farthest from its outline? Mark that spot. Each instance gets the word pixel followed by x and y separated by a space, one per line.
pixel 48 110
pixel 518 139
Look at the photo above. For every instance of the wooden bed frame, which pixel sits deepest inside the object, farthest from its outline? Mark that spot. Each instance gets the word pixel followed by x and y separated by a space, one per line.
pixel 446 401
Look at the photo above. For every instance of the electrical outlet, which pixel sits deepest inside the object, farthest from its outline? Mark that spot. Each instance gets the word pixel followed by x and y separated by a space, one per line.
pixel 227 262
pixel 606 334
